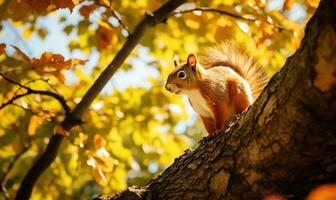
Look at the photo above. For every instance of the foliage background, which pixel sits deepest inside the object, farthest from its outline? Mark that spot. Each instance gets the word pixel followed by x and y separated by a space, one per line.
pixel 134 129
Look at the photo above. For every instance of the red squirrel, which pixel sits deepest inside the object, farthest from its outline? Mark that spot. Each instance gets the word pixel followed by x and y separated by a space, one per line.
pixel 221 84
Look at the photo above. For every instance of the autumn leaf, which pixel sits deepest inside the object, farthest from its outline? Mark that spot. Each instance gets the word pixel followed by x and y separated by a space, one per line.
pixel 313 3
pixel 99 141
pixel 81 139
pixel 106 3
pixel 288 4
pixel 323 192
pixel 105 36
pixel 86 10
pixel 18 9
pixel 2 48
pixel 37 120
pixel 38 6
pixel 65 4
pixel 102 164
pixel 60 130
pixel 51 64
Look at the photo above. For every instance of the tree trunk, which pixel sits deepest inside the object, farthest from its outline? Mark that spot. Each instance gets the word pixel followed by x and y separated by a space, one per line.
pixel 284 144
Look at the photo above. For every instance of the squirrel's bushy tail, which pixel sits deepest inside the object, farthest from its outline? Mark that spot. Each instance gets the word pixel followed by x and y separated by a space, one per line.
pixel 229 54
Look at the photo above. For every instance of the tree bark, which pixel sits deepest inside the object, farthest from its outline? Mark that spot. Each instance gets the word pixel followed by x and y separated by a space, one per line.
pixel 284 144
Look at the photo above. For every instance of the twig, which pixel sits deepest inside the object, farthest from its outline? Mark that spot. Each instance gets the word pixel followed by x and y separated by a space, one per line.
pixel 50 153
pixel 116 15
pixel 58 97
pixel 9 168
pixel 17 70
pixel 205 9
pixel 248 18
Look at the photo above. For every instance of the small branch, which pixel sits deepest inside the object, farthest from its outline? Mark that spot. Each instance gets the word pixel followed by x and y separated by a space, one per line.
pixel 13 99
pixel 205 9
pixel 58 97
pixel 6 173
pixel 116 15
pixel 248 18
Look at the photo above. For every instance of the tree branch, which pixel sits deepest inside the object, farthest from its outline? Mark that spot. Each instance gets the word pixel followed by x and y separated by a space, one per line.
pixel 74 117
pixel 56 96
pixel 248 18
pixel 215 10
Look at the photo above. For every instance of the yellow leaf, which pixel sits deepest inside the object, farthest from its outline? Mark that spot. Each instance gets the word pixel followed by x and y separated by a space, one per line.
pixel 105 3
pixel 81 139
pixel 34 123
pixel 27 33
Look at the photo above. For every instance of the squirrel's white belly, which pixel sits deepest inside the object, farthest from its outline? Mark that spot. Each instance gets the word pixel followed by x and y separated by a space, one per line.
pixel 198 103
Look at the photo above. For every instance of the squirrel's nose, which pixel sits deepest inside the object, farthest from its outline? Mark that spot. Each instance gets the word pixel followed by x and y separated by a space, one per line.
pixel 169 87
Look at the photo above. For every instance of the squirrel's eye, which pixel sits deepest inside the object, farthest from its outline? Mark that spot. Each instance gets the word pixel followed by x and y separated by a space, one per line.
pixel 182 75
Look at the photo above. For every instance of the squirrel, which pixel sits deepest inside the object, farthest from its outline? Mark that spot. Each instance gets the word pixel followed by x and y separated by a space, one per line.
pixel 222 83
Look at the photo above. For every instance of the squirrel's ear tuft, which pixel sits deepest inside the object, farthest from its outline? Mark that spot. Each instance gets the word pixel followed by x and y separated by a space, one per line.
pixel 176 62
pixel 192 60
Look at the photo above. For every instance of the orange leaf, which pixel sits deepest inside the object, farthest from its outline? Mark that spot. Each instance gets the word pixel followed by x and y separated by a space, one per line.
pixel 18 9
pixel 39 6
pixel 324 192
pixel 274 197
pixel 51 64
pixel 2 48
pixel 65 4
pixel 99 141
pixel 313 3
pixel 288 4
pixel 60 130
pixel 86 10
pixel 23 55
pixel 100 176
pixel 105 36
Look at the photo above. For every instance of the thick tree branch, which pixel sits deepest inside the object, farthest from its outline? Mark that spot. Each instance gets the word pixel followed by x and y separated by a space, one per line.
pixel 58 97
pixel 284 144
pixel 74 117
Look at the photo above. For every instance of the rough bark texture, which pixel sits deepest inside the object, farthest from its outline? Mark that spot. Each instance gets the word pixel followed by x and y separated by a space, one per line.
pixel 285 143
